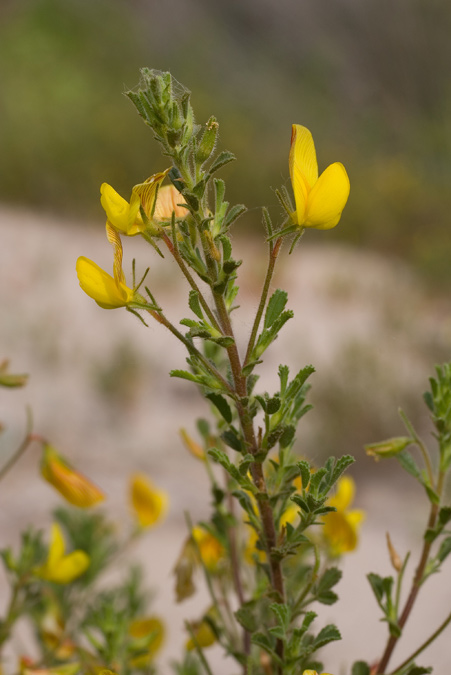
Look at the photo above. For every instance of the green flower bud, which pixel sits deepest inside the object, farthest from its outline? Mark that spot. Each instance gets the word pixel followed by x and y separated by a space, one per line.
pixel 388 448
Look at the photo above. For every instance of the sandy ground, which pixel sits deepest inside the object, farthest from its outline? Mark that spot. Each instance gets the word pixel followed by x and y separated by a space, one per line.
pixel 76 354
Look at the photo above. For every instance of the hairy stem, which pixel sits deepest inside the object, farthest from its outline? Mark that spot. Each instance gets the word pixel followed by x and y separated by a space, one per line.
pixel 274 249
pixel 188 276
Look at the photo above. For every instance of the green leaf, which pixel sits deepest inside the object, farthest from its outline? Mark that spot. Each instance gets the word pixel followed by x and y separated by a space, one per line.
pixel 377 585
pixel 261 640
pixel 243 467
pixel 327 598
pixel 408 463
pixel 185 375
pixel 195 304
pixel 234 213
pixel 360 668
pixel 329 633
pixel 221 160
pixel 445 549
pixel 418 670
pixel 245 616
pixel 341 466
pixel 329 579
pixel 283 376
pixel 231 438
pixel 269 334
pixel 282 613
pixel 275 307
pixel 304 468
pixel 222 406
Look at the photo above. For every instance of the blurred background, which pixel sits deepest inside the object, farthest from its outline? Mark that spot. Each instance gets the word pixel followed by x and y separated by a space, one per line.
pixel 370 79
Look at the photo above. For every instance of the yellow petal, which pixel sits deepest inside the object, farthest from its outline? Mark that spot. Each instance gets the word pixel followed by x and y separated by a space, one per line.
pixel 147 191
pixel 344 495
pixel 69 568
pixel 327 198
pixel 168 201
pixel 116 207
pixel 100 286
pixel 150 505
pixel 301 193
pixel 203 634
pixel 211 550
pixel 303 155
pixel 56 549
pixel 150 627
pixel 72 485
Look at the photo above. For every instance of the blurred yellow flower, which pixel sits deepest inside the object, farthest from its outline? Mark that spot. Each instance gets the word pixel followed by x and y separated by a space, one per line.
pixel 108 291
pixel 59 567
pixel 341 526
pixel 313 672
pixel 150 505
pixel 210 548
pixel 71 484
pixel 319 201
pixel 126 216
pixel 150 631
pixel 203 634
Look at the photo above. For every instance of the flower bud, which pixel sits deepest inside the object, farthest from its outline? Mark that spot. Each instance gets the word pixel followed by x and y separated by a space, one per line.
pixel 394 557
pixel 388 448
pixel 208 141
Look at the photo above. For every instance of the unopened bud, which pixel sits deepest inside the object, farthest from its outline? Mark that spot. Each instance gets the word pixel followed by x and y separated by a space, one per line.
pixel 208 140
pixel 394 557
pixel 388 448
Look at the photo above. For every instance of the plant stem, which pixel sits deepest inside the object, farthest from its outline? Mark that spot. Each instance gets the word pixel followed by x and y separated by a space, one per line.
pixel 159 316
pixel 198 649
pixel 421 445
pixel 425 644
pixel 256 468
pixel 21 449
pixel 274 249
pixel 173 249
pixel 416 583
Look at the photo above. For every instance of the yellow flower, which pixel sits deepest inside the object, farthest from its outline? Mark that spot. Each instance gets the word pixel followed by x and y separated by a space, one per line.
pixel 210 549
pixel 126 216
pixel 203 634
pixel 200 543
pixel 341 527
pixel 72 485
pixel 313 672
pixel 59 567
pixel 108 291
pixel 149 504
pixel 150 631
pixel 319 201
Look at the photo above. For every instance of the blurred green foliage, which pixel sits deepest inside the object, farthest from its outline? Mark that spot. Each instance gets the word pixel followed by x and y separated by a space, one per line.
pixel 369 78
